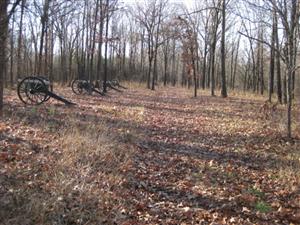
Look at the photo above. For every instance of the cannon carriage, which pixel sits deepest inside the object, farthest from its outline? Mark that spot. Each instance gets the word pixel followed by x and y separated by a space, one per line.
pixel 81 86
pixel 117 84
pixel 35 90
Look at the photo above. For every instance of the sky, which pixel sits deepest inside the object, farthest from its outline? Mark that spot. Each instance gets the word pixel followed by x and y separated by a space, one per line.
pixel 189 3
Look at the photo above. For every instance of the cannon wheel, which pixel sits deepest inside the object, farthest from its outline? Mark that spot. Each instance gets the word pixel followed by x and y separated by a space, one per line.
pixel 28 93
pixel 115 82
pixel 78 86
pixel 50 86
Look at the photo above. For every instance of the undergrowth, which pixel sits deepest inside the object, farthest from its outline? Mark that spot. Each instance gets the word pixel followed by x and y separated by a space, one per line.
pixel 74 180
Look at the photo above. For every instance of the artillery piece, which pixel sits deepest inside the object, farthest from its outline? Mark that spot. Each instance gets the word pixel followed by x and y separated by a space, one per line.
pixel 37 90
pixel 116 83
pixel 83 87
pixel 112 85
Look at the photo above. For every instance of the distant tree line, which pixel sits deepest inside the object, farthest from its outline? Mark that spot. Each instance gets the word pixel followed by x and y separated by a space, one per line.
pixel 224 45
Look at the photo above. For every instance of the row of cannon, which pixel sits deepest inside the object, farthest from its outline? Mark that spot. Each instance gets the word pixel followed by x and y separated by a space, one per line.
pixel 37 90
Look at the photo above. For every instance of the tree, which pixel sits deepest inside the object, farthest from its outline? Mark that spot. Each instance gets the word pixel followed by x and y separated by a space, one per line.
pixel 278 59
pixel 106 47
pixel 150 16
pixel 272 58
pixel 213 34
pixel 289 15
pixel 190 48
pixel 20 41
pixel 223 54
pixel 44 23
pixel 4 19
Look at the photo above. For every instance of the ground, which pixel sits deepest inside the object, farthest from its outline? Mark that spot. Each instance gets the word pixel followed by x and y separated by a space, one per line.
pixel 148 157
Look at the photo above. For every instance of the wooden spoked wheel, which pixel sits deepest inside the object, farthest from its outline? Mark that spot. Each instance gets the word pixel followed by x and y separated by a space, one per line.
pixel 32 91
pixel 81 86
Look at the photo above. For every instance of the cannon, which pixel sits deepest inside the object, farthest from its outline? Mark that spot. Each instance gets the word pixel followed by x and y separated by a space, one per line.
pixel 116 83
pixel 112 85
pixel 109 84
pixel 37 90
pixel 83 87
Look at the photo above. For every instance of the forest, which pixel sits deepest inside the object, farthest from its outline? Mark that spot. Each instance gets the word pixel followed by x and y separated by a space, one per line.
pixel 149 112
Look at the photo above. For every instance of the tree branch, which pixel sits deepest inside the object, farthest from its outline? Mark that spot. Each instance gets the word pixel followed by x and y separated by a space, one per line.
pixel 264 42
pixel 11 12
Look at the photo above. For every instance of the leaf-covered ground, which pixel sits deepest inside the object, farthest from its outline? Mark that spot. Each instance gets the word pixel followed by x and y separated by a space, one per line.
pixel 148 157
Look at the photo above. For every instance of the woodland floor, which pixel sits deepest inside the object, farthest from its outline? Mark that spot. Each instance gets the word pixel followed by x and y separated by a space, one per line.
pixel 148 157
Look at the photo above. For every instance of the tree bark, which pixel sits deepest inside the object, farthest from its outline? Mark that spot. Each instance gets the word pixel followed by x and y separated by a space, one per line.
pixel 101 25
pixel 3 39
pixel 156 48
pixel 91 75
pixel 235 63
pixel 294 20
pixel 272 60
pixel 106 48
pixel 204 70
pixel 212 67
pixel 261 71
pixel 223 72
pixel 44 22
pixel 12 52
pixel 20 40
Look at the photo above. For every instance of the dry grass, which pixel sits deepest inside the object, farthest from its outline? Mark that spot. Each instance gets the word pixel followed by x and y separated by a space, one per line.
pixel 89 169
pixel 76 183
pixel 289 174
pixel 78 178
pixel 134 85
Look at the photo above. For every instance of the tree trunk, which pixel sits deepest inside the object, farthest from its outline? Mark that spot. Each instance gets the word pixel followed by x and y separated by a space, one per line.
pixel 124 61
pixel 223 72
pixel 3 38
pixel 235 63
pixel 208 75
pixel 174 74
pixel 194 75
pixel 272 61
pixel 166 58
pixel 155 50
pixel 20 40
pixel 294 20
pixel 261 71
pixel 101 25
pixel 257 80
pixel 212 68
pixel 93 44
pixel 278 67
pixel 231 66
pixel 142 55
pixel 51 54
pixel 12 52
pixel 150 59
pixel 44 22
pixel 106 48
pixel 204 64
pixel 154 71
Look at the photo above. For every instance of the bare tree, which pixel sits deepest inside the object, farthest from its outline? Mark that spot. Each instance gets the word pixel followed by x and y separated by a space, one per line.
pixel 223 54
pixel 278 59
pixel 4 19
pixel 272 58
pixel 150 16
pixel 20 41
pixel 289 15
pixel 213 33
